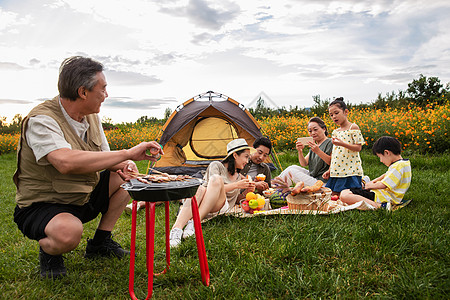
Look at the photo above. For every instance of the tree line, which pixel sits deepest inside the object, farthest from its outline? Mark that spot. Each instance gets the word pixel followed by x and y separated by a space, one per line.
pixel 421 91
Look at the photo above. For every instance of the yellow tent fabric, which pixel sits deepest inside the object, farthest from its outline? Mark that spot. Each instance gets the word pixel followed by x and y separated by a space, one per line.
pixel 204 145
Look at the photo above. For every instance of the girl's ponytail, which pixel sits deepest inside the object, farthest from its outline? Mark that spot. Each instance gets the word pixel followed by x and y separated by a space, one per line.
pixel 339 102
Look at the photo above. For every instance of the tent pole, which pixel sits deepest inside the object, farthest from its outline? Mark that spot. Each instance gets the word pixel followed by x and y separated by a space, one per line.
pixel 274 154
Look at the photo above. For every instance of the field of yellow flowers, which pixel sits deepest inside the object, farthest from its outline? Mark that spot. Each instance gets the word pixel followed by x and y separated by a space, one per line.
pixel 127 137
pixel 419 129
pixel 8 142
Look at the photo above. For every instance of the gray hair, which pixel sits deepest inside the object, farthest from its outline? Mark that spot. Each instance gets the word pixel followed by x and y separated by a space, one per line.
pixel 75 72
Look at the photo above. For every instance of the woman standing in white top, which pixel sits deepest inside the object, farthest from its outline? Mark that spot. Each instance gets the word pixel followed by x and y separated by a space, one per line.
pixel 222 187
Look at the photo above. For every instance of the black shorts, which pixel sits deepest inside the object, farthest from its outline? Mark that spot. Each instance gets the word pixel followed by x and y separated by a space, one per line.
pixel 365 193
pixel 33 219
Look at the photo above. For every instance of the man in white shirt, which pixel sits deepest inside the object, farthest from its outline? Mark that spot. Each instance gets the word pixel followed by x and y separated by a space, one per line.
pixel 59 178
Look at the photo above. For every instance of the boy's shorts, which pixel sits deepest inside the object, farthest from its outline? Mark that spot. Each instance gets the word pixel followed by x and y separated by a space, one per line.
pixel 33 219
pixel 365 193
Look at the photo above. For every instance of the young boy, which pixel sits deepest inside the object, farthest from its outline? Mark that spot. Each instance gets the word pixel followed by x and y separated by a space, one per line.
pixel 389 188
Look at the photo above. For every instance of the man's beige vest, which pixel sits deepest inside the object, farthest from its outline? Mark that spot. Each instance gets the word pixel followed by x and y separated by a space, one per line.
pixel 36 183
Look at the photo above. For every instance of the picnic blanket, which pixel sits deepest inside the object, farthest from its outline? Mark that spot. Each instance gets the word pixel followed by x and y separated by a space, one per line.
pixel 335 207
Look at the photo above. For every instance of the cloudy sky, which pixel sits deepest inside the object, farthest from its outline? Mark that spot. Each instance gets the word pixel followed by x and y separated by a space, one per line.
pixel 158 54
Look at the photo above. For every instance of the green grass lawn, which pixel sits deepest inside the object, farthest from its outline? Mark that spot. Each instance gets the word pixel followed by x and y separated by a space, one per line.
pixel 354 254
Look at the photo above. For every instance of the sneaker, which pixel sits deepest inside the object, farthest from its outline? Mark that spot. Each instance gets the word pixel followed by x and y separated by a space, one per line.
pixel 52 266
pixel 364 180
pixel 189 229
pixel 175 237
pixel 108 248
pixel 129 208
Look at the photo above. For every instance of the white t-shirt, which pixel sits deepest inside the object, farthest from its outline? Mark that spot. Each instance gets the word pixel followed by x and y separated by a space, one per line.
pixel 217 168
pixel 44 135
pixel 253 171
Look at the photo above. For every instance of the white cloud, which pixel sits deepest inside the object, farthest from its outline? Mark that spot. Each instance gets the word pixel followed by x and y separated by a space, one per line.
pixel 139 104
pixel 130 78
pixel 9 20
pixel 179 48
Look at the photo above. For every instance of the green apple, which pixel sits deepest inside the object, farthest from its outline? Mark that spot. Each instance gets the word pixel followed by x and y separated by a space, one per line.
pixel 253 203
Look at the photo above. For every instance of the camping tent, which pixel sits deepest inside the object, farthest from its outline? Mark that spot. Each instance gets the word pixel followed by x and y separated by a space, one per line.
pixel 198 131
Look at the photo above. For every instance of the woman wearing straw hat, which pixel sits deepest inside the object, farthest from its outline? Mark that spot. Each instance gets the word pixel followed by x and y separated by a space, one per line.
pixel 222 187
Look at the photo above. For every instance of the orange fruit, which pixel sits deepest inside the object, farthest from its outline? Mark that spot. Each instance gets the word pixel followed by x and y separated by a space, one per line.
pixel 250 196
pixel 261 202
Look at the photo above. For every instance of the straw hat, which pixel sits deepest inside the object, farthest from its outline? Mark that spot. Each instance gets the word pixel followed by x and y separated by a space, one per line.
pixel 236 145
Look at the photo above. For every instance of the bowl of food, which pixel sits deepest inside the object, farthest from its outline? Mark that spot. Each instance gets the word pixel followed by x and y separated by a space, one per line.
pixel 267 193
pixel 260 177
pixel 253 202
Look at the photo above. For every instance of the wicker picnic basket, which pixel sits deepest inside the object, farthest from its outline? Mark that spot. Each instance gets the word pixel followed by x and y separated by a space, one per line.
pixel 310 201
